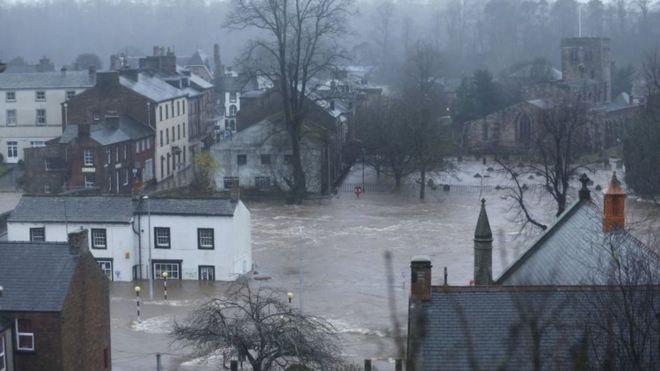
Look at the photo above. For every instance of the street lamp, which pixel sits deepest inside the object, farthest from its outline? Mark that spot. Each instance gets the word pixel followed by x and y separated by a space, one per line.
pixel 289 295
pixel 165 284
pixel 137 301
pixel 149 272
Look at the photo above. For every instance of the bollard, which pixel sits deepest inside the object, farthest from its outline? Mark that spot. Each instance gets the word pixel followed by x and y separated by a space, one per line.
pixel 398 365
pixel 367 365
pixel 137 301
pixel 233 365
pixel 165 285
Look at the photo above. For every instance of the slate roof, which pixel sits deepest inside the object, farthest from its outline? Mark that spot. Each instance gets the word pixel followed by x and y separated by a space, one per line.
pixel 112 130
pixel 46 80
pixel 488 328
pixel 183 206
pixel 35 276
pixel 151 87
pixel 55 209
pixel 575 251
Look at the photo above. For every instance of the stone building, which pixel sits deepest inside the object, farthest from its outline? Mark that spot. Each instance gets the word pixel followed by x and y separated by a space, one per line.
pixel 114 154
pixel 586 80
pixel 54 307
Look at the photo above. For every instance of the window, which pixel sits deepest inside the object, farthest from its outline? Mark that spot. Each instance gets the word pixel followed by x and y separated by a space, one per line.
pixel 126 176
pixel 178 131
pixel 178 108
pixel 148 143
pixel 265 159
pixel 125 151
pixel 173 137
pixel 230 182
pixel 11 117
pixel 148 169
pixel 162 237
pixel 167 113
pixel 40 96
pixel 167 136
pixel 24 335
pixel 161 137
pixel 70 94
pixel 241 159
pixel 232 110
pixel 160 113
pixel 232 97
pixel 90 180
pixel 3 354
pixel 37 143
pixel 184 130
pixel 262 182
pixel 184 107
pixel 106 267
pixel 38 234
pixel 12 149
pixel 41 117
pixel 108 156
pixel 99 238
pixel 88 157
pixel 172 108
pixel 206 273
pixel 205 238
pixel 10 96
pixel 172 267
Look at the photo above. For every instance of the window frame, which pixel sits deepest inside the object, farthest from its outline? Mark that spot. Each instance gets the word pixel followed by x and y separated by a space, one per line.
pixel 177 263
pixel 169 238
pixel 88 157
pixel 37 94
pixel 14 122
pixel 202 246
pixel 36 229
pixel 12 149
pixel 199 272
pixel 70 94
pixel 38 117
pixel 93 240
pixel 238 159
pixel 112 267
pixel 10 100
pixel 19 334
pixel 89 183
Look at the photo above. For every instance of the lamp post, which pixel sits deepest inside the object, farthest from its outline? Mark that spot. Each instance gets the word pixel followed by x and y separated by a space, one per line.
pixel 289 296
pixel 150 267
pixel 165 285
pixel 137 301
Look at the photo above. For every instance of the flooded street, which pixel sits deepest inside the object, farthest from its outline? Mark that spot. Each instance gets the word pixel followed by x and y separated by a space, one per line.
pixel 338 245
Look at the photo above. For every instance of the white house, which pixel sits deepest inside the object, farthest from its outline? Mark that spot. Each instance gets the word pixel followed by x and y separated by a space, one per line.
pixel 31 107
pixel 206 239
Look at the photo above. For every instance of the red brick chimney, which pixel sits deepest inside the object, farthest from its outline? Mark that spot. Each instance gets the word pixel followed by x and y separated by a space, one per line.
pixel 614 216
pixel 420 274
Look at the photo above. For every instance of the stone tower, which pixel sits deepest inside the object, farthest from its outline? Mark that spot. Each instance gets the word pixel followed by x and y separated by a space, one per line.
pixel 588 58
pixel 483 249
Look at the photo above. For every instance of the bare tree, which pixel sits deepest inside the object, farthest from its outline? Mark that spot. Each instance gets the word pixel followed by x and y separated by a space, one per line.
pixel 299 43
pixel 261 327
pixel 553 154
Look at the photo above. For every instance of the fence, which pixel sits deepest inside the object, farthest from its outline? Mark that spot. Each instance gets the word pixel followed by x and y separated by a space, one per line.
pixel 463 188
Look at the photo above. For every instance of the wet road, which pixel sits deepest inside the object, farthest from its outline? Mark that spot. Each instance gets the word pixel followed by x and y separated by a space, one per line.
pixel 340 244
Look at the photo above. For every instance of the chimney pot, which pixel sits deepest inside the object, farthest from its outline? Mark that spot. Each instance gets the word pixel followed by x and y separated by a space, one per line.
pixel 614 216
pixel 420 276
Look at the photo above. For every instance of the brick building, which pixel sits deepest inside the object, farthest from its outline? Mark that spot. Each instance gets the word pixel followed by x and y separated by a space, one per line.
pixel 54 307
pixel 114 154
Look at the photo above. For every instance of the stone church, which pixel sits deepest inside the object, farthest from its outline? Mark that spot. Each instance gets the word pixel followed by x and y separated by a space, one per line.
pixel 586 77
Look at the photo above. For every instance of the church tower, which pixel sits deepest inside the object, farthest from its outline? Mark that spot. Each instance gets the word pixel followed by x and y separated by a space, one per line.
pixel 483 249
pixel 588 58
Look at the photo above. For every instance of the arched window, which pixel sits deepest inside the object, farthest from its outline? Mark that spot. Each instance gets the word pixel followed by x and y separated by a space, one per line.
pixel 524 128
pixel 232 110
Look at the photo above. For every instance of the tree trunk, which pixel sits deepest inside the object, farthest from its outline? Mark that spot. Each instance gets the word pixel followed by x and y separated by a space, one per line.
pixel 299 190
pixel 397 182
pixel 422 186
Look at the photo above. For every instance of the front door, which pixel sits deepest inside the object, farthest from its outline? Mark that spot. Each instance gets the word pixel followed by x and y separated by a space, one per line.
pixel 12 152
pixel 206 273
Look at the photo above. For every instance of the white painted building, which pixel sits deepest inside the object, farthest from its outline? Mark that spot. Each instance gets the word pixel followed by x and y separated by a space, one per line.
pixel 208 239
pixel 31 107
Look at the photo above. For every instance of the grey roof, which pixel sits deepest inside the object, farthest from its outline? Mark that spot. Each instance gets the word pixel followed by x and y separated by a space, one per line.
pixel 57 209
pixel 575 250
pixel 35 276
pixel 185 206
pixel 112 130
pixel 488 328
pixel 483 232
pixel 152 87
pixel 46 80
pixel 542 103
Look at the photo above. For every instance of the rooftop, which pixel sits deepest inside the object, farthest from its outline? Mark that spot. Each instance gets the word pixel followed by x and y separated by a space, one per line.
pixel 110 131
pixel 185 206
pixel 55 209
pixel 151 87
pixel 46 80
pixel 35 276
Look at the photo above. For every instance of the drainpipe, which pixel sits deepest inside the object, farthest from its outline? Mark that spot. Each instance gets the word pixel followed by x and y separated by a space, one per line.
pixel 139 234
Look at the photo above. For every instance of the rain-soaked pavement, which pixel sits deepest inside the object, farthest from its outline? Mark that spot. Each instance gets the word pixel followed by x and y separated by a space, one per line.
pixel 340 243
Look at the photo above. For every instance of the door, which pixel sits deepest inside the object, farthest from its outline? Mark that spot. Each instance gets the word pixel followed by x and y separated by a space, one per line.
pixel 12 152
pixel 106 267
pixel 206 273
